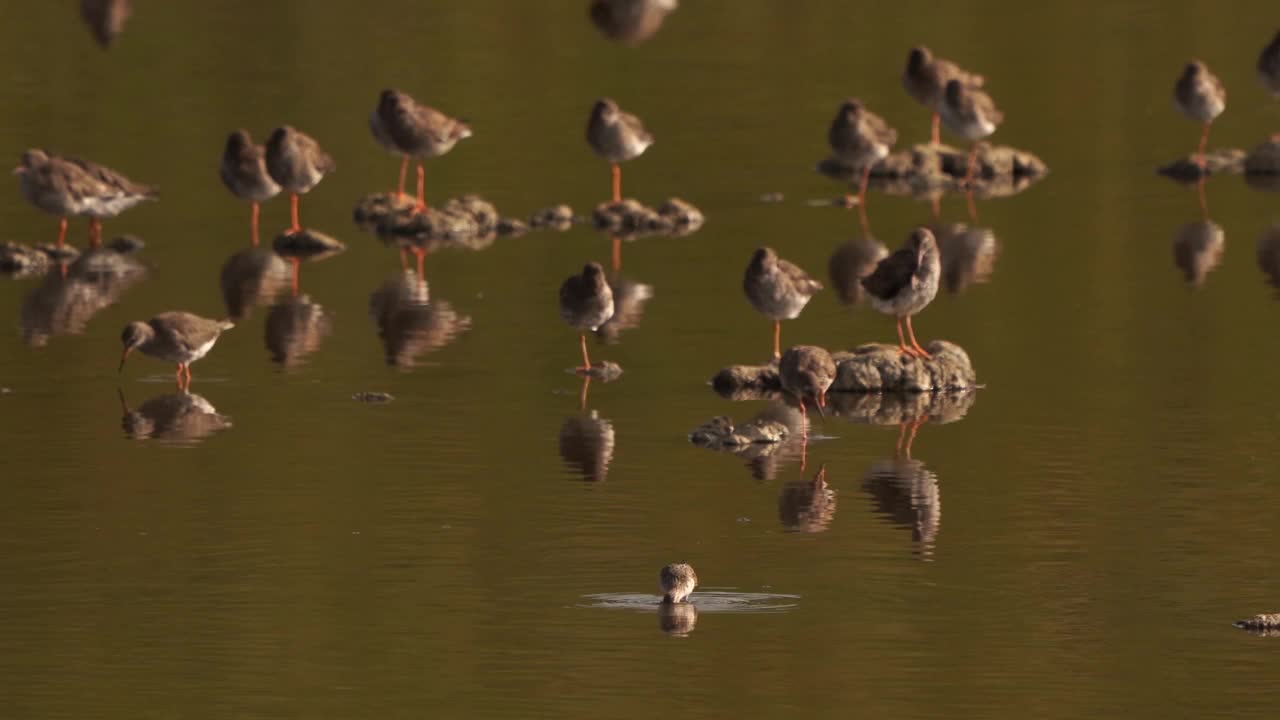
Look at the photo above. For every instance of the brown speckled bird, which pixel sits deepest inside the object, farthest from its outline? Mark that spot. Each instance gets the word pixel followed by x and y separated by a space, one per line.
pixel 297 163
pixel 806 371
pixel 777 289
pixel 244 171
pixel 904 283
pixel 1200 95
pixel 176 337
pixel 586 303
pixel 677 582
pixel 403 125
pixel 860 138
pixel 616 136
pixel 925 79
pixel 970 113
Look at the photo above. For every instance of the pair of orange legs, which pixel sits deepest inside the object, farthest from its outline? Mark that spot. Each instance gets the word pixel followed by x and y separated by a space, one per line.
pixel 184 376
pixel 95 232
pixel 902 450
pixel 914 348
pixel 404 170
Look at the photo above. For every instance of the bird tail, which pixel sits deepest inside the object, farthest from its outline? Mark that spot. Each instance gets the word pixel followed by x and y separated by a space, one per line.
pixel 226 324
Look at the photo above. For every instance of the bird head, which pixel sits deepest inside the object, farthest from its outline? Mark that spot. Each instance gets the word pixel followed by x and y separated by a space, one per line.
pixel 133 335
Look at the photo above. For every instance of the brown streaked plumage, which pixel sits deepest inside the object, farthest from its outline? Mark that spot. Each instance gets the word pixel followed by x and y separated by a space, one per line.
pixel 860 138
pixel 677 582
pixel 904 283
pixel 55 186
pixel 616 136
pixel 970 113
pixel 630 22
pixel 297 163
pixel 777 289
pixel 806 371
pixel 176 337
pixel 403 125
pixel 244 171
pixel 1201 96
pixel 1269 65
pixel 925 79
pixel 586 303
pixel 105 18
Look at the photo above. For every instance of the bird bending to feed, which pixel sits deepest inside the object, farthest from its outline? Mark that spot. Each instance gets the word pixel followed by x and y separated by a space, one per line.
pixel 176 337
pixel 244 171
pixel 905 282
pixel 630 22
pixel 777 289
pixel 616 136
pixel 806 371
pixel 970 113
pixel 677 581
pixel 403 125
pixel 860 138
pixel 1269 65
pixel 586 303
pixel 105 18
pixel 925 79
pixel 1200 95
pixel 297 163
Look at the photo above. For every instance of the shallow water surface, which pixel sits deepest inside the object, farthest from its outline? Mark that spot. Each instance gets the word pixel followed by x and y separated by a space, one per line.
pixel 269 547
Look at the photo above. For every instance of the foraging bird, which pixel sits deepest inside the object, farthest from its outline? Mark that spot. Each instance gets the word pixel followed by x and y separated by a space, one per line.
pixel 105 18
pixel 1269 65
pixel 1200 95
pixel 806 371
pixel 616 136
pixel 402 125
pixel 176 337
pixel 970 113
pixel 860 138
pixel 630 22
pixel 297 163
pixel 905 282
pixel 586 303
pixel 777 289
pixel 677 582
pixel 244 171
pixel 925 79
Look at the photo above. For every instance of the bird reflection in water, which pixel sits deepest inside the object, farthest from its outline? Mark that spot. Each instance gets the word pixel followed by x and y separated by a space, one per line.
pixel 410 323
pixel 295 329
pixel 629 298
pixel 765 460
pixel 852 261
pixel 677 619
pixel 807 507
pixel 1269 256
pixel 64 302
pixel 1198 247
pixel 630 22
pixel 251 277
pixel 967 253
pixel 587 440
pixel 173 417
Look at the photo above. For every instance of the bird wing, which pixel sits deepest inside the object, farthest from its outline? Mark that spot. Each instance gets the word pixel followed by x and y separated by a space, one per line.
pixel 635 126
pixel 112 178
pixel 892 274
pixel 800 279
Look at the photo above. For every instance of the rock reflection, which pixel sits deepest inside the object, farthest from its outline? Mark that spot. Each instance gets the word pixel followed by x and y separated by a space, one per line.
pixel 906 493
pixel 629 298
pixel 807 507
pixel 852 261
pixel 1269 256
pixel 766 460
pixel 1197 249
pixel 410 323
pixel 968 254
pixel 251 277
pixel 295 329
pixel 65 302
pixel 174 417
pixel 587 441
pixel 677 619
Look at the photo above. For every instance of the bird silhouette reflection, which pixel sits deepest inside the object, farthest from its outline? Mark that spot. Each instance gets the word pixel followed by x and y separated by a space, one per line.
pixel 295 329
pixel 849 263
pixel 677 619
pixel 967 253
pixel 629 298
pixel 410 323
pixel 251 277
pixel 173 417
pixel 1198 247
pixel 807 506
pixel 65 302
pixel 1269 256
pixel 587 441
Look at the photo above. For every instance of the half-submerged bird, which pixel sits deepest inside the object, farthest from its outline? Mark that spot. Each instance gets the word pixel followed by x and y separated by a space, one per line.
pixel 297 163
pixel 777 289
pixel 1200 95
pixel 404 126
pixel 905 282
pixel 244 171
pixel 861 139
pixel 970 113
pixel 677 582
pixel 586 303
pixel 630 22
pixel 1269 65
pixel 176 337
pixel 616 136
pixel 925 79
pixel 105 18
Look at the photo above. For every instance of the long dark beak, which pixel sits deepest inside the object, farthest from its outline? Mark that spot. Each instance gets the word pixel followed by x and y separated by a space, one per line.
pixel 123 355
pixel 821 403
pixel 124 404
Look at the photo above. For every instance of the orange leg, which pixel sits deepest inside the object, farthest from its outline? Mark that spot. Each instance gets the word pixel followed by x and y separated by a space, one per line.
pixel 617 183
pixel 293 212
pixel 586 360
pixel 935 204
pixel 902 341
pixel 1204 143
pixel 422 203
pixel 911 438
pixel 973 158
pixel 936 137
pixel 404 260
pixel 95 232
pixel 404 169
pixel 421 255
pixel 902 433
pixel 973 206
pixel 862 220
pixel 777 339
pixel 62 232
pixel 1204 202
pixel 617 254
pixel 862 186
pixel 915 345
pixel 178 376
pixel 253 223
pixel 187 371
pixel 296 263
pixel 582 397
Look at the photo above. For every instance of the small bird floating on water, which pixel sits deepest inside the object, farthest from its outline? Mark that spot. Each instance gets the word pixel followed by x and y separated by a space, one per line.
pixel 176 337
pixel 630 22
pixel 404 126
pixel 297 163
pixel 925 79
pixel 677 582
pixel 860 138
pixel 904 283
pixel 1200 95
pixel 970 113
pixel 777 289
pixel 586 303
pixel 616 136
pixel 244 171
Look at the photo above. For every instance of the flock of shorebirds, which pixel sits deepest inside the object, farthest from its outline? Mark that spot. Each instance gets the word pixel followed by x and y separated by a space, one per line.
pixel 901 284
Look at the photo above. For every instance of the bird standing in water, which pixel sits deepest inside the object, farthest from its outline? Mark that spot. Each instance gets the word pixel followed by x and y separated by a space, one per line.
pixel 176 337
pixel 1200 95
pixel 616 136
pixel 244 171
pixel 925 79
pixel 677 582
pixel 403 125
pixel 297 163
pixel 586 303
pixel 777 289
pixel 904 283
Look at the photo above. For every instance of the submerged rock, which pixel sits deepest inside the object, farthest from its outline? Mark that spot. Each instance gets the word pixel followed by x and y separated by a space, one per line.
pixel 898 408
pixel 556 217
pixel 126 244
pixel 1268 623
pixel 63 254
pixel 605 370
pixel 720 432
pixel 19 261
pixel 372 397
pixel 510 227
pixel 306 245
pixel 630 216
pixel 394 218
pixel 1223 161
pixel 871 368
pixel 999 170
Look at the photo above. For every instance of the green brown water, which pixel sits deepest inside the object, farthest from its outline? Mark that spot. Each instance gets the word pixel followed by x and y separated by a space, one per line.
pixel 1107 498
